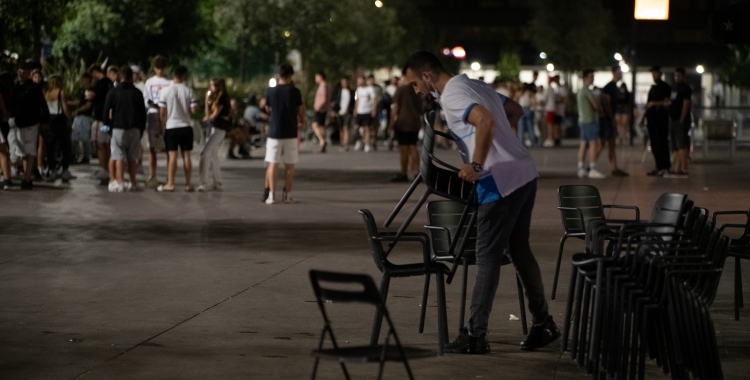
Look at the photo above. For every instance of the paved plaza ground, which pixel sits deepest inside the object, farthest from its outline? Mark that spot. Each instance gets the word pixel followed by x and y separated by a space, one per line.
pixel 214 285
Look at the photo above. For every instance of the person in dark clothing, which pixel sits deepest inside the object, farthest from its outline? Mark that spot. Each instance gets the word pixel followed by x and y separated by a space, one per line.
pixel 657 118
pixel 406 110
pixel 287 117
pixel 29 111
pixel 343 108
pixel 101 89
pixel 607 128
pixel 6 105
pixel 128 109
pixel 679 127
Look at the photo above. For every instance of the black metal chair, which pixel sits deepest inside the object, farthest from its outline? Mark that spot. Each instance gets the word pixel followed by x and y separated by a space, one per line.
pixel 579 205
pixel 426 268
pixel 739 249
pixel 366 292
pixel 443 219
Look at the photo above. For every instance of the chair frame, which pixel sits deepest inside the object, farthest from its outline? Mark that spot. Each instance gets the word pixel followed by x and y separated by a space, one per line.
pixel 742 242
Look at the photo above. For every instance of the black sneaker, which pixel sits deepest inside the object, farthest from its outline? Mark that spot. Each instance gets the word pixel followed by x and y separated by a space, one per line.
pixel 8 185
pixel 27 185
pixel 541 335
pixel 37 175
pixel 399 178
pixel 467 344
pixel 266 192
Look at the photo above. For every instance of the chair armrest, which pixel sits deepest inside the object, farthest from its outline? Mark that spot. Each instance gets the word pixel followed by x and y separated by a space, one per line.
pixel 717 213
pixel 742 226
pixel 580 214
pixel 410 234
pixel 637 210
pixel 436 228
pixel 420 237
pixel 442 163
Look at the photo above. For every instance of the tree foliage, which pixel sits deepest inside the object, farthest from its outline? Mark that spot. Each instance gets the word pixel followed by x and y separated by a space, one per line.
pixel 509 65
pixel 574 34
pixel 736 70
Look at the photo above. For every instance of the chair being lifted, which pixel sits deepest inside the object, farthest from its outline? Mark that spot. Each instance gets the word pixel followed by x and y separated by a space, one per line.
pixel 739 249
pixel 366 293
pixel 442 181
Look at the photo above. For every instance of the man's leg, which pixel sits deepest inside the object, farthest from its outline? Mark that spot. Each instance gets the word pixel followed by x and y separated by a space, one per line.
pixel 28 167
pixel 288 177
pixel 366 135
pixel 582 153
pixel 414 158
pixel 320 132
pixel 594 151
pixel 404 158
pixel 612 154
pixel 4 161
pixel 271 175
pixel 133 172
pixel 171 169
pixel 151 163
pixel 187 163
pixel 119 176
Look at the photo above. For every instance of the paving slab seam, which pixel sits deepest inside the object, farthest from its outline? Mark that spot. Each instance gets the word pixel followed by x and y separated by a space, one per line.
pixel 192 317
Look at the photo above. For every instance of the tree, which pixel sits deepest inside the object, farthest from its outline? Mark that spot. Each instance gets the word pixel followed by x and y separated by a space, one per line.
pixel 736 70
pixel 509 66
pixel 23 22
pixel 574 34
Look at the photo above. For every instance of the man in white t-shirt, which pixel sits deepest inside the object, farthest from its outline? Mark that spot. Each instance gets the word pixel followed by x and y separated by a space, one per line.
pixel 154 86
pixel 366 106
pixel 562 105
pixel 176 103
pixel 505 174
pixel 550 112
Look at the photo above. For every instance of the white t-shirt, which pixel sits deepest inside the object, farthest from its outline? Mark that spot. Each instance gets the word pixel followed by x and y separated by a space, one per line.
pixel 550 98
pixel 365 95
pixel 178 99
pixel 154 85
pixel 391 90
pixel 562 93
pixel 509 166
pixel 346 97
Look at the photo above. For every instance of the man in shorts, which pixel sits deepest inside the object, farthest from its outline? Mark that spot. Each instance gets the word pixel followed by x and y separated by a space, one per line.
pixel 125 104
pixel 176 103
pixel 287 117
pixel 588 106
pixel 406 112
pixel 679 126
pixel 366 106
pixel 29 111
pixel 506 180
pixel 607 129
pixel 83 120
pixel 154 86
pixel 343 107
pixel 101 139
pixel 322 105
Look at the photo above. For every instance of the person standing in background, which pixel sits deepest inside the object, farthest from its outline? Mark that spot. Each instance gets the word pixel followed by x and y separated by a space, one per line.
pixel 607 131
pixel 622 116
pixel 527 100
pixel 657 119
pixel 29 112
pixel 217 110
pixel 680 123
pixel 365 103
pixel 321 106
pixel 176 104
pixel 154 87
pixel 101 89
pixel 406 111
pixel 560 109
pixel 58 132
pixel 82 121
pixel 343 107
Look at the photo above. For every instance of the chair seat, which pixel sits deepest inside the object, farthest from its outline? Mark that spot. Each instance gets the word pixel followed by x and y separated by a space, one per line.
pixel 367 354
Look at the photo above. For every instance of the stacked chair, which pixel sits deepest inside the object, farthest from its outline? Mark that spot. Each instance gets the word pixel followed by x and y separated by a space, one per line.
pixel 647 294
pixel 739 249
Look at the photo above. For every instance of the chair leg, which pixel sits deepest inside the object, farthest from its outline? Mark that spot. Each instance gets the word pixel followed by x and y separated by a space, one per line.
pixel 557 266
pixel 737 288
pixel 403 200
pixel 569 309
pixel 315 368
pixel 464 284
pixel 524 327
pixel 379 313
pixel 442 313
pixel 424 302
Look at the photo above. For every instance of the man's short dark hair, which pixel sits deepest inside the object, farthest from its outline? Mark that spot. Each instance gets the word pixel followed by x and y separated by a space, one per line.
pixel 423 61
pixel 587 72
pixel 159 62
pixel 180 72
pixel 680 70
pixel 125 74
pixel 286 70
pixel 322 74
pixel 616 68
pixel 535 73
pixel 113 69
pixel 95 69
pixel 86 76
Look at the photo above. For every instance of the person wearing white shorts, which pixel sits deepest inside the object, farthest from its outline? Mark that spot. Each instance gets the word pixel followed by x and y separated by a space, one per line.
pixel 287 116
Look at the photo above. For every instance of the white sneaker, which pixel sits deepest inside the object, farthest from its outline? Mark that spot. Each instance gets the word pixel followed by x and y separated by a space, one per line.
pixel 269 200
pixel 115 187
pixel 593 174
pixel 201 188
pixel 367 149
pixel 548 144
pixel 582 173
pixel 358 146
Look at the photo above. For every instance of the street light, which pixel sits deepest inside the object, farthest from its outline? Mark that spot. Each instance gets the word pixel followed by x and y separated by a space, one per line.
pixel 287 33
pixel 379 4
pixel 543 55
pixel 272 82
pixel 475 66
pixel 624 67
pixel 550 67
pixel 446 52
pixel 700 69
pixel 459 52
pixel 651 9
pixel 618 57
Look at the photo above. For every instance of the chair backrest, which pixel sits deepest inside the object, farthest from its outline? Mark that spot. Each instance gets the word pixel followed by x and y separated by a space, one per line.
pixel 442 181
pixel 669 208
pixel 428 143
pixel 583 197
pixel 371 229
pixel 368 294
pixel 447 214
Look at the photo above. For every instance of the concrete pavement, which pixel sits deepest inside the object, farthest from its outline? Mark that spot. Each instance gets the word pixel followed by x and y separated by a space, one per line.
pixel 214 285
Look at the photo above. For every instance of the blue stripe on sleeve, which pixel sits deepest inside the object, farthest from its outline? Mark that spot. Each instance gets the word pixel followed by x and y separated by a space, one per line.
pixel 466 113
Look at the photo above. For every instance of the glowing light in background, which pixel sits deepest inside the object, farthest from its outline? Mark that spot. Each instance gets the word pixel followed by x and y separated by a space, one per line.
pixel 459 52
pixel 476 66
pixel 550 67
pixel 651 9
pixel 543 55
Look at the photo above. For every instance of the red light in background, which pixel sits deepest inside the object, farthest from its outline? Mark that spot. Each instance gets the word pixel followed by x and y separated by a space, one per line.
pixel 459 52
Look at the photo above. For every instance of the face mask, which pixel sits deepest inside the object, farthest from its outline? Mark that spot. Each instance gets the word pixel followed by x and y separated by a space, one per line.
pixel 433 90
